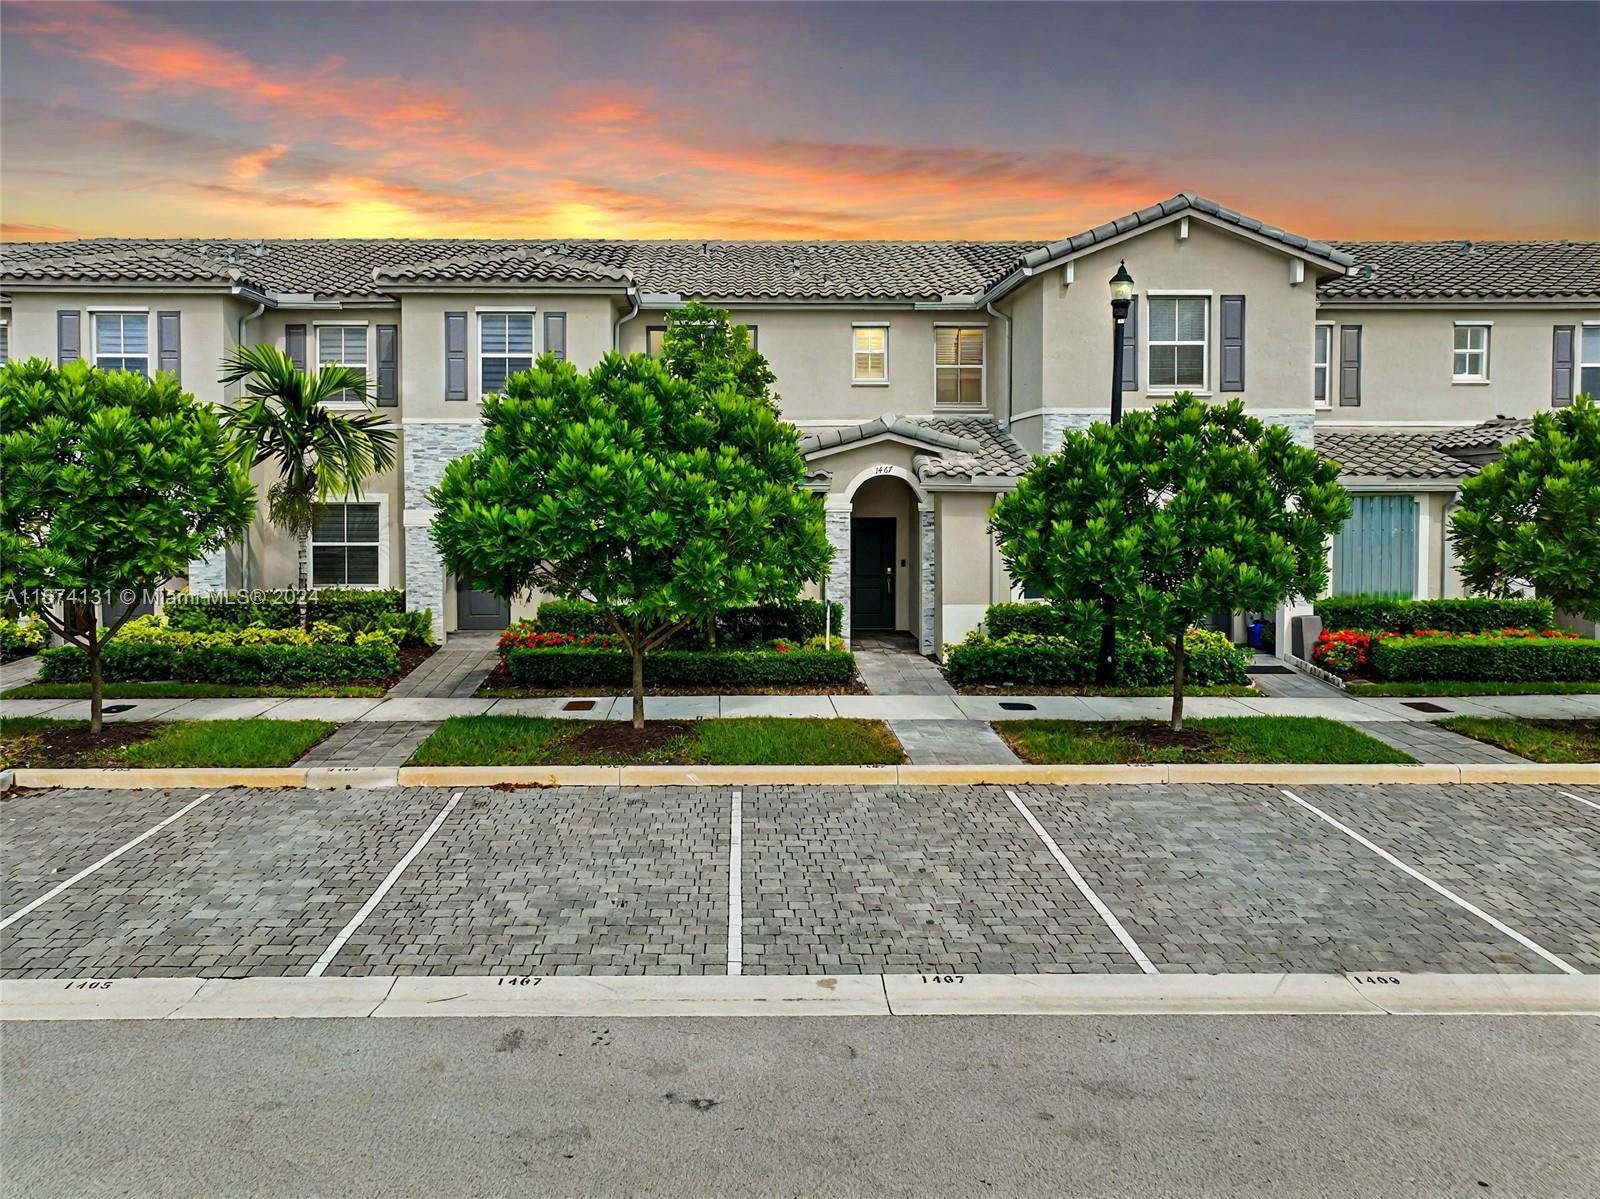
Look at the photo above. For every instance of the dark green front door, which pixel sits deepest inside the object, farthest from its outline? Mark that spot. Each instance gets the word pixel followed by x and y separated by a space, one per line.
pixel 872 572
pixel 480 609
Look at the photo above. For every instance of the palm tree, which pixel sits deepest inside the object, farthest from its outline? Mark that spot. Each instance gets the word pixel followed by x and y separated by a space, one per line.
pixel 284 418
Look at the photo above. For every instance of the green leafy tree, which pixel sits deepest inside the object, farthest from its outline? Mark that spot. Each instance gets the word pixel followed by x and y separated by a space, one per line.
pixel 663 500
pixel 109 485
pixel 1533 515
pixel 1175 513
pixel 320 453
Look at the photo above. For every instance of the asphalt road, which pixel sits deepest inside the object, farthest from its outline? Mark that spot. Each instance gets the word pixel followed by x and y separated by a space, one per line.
pixel 1179 1106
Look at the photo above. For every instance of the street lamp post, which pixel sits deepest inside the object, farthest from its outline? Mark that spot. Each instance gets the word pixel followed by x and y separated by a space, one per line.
pixel 1121 301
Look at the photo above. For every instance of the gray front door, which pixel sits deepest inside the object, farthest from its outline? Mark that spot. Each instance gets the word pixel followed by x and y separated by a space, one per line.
pixel 480 609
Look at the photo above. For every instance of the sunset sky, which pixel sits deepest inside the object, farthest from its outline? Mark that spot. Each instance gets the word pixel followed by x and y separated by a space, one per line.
pixel 775 120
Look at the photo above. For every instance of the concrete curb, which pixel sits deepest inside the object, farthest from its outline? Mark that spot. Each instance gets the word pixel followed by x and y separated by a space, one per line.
pixel 422 996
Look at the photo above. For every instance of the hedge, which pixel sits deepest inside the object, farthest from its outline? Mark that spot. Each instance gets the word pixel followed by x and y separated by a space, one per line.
pixel 582 667
pixel 251 664
pixel 278 610
pixel 1041 620
pixel 797 621
pixel 1378 614
pixel 1056 662
pixel 1486 659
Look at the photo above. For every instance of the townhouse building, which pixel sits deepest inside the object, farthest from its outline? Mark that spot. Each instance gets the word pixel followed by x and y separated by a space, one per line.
pixel 922 376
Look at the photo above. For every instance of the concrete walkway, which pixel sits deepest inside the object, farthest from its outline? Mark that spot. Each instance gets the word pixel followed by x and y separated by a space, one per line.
pixel 21 672
pixel 890 664
pixel 453 672
pixel 363 743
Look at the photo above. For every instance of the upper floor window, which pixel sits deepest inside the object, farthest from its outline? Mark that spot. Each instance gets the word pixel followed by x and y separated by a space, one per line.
pixel 344 545
pixel 5 343
pixel 343 345
pixel 505 346
pixel 655 340
pixel 1589 362
pixel 869 361
pixel 1471 354
pixel 957 365
pixel 122 341
pixel 1178 339
pixel 755 338
pixel 1321 366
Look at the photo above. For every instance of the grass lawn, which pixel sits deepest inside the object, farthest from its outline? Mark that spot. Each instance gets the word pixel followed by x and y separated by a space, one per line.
pixel 170 690
pixel 1538 740
pixel 40 742
pixel 755 741
pixel 1219 739
pixel 1362 690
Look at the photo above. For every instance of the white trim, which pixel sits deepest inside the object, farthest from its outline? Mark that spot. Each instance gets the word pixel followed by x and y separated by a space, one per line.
pixel 983 367
pixel 1297 272
pixel 857 380
pixel 1327 387
pixel 1481 375
pixel 1474 323
pixel 1420 588
pixel 1148 327
pixel 884 470
pixel 503 308
pixel 94 354
pixel 383 583
pixel 110 308
pixel 1183 228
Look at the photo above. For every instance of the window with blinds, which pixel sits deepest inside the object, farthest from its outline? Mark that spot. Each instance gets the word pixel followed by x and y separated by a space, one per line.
pixel 505 346
pixel 122 341
pixel 5 343
pixel 1178 341
pixel 343 345
pixel 344 545
pixel 870 357
pixel 958 366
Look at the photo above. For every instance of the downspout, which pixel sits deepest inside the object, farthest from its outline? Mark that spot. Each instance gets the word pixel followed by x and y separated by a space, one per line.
pixel 633 299
pixel 1005 421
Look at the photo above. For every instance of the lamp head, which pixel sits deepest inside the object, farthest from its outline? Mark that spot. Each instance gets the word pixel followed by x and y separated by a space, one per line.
pixel 1121 287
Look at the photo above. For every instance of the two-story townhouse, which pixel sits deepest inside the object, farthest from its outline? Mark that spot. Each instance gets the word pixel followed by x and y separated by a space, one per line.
pixel 922 376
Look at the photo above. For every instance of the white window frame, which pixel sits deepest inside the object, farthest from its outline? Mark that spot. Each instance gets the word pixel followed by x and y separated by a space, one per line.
pixel 95 316
pixel 5 337
pixel 1325 366
pixel 855 379
pixel 343 397
pixel 1579 362
pixel 1471 377
pixel 983 368
pixel 1150 343
pixel 477 338
pixel 383 544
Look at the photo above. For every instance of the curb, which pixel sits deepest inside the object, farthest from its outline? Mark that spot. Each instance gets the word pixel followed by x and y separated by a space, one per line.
pixel 341 777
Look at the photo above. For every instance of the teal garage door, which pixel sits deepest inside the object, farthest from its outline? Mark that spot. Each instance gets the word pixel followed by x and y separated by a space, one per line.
pixel 1376 552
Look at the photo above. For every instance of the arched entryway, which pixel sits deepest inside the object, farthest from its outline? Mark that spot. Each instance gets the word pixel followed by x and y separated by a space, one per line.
pixel 882 529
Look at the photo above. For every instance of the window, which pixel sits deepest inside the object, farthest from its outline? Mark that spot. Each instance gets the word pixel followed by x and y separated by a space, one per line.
pixel 755 338
pixel 5 343
pixel 1321 364
pixel 655 340
pixel 505 346
pixel 957 366
pixel 343 345
pixel 1472 354
pixel 122 341
pixel 344 546
pixel 1589 362
pixel 870 360
pixel 1178 341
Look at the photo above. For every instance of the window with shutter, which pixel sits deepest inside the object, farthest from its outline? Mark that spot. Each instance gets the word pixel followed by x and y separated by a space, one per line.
pixel 344 545
pixel 1589 362
pixel 1178 341
pixel 505 346
pixel 343 345
pixel 122 341
pixel 870 356
pixel 1321 365
pixel 958 364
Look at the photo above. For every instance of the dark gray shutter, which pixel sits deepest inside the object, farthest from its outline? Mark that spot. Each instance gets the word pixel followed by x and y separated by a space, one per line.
pixel 388 366
pixel 1563 367
pixel 1130 348
pixel 455 355
pixel 1232 343
pixel 294 345
pixel 555 334
pixel 1349 366
pixel 69 336
pixel 169 345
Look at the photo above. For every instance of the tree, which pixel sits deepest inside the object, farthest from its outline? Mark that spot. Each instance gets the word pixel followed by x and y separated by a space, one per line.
pixel 663 500
pixel 320 453
pixel 1176 513
pixel 109 485
pixel 1533 516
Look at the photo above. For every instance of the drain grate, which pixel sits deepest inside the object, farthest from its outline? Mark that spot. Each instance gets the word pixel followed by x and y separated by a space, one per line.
pixel 1016 705
pixel 1424 706
pixel 578 705
pixel 113 709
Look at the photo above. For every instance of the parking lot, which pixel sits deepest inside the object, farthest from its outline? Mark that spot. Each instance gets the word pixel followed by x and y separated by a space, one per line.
pixel 831 880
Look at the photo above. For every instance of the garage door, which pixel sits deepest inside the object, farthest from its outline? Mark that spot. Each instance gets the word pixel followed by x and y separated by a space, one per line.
pixel 1376 552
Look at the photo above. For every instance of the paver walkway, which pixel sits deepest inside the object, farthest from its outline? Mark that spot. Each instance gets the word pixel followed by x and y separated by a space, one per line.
pixel 1428 742
pixel 951 742
pixel 889 664
pixel 21 672
pixel 453 672
pixel 370 743
pixel 1278 679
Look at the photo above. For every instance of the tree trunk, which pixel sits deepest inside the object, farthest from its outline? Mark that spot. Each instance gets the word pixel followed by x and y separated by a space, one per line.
pixel 637 645
pixel 95 687
pixel 1179 656
pixel 1105 667
pixel 304 580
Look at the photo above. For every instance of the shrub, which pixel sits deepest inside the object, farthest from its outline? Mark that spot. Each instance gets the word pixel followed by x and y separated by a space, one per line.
pixel 574 666
pixel 1027 658
pixel 1043 620
pixel 1529 658
pixel 797 621
pixel 1379 614
pixel 121 662
pixel 19 640
pixel 1343 651
pixel 202 663
pixel 276 609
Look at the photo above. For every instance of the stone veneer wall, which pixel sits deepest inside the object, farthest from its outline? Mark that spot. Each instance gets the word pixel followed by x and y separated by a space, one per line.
pixel 928 555
pixel 836 518
pixel 430 446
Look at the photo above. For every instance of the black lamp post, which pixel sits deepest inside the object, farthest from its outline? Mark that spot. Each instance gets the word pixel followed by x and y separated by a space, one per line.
pixel 1121 300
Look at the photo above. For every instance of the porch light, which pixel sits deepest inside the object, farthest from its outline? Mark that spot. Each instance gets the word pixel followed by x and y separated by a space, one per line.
pixel 1121 288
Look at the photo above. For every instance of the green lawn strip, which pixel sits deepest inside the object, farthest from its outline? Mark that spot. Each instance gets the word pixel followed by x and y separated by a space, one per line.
pixel 193 691
pixel 1538 740
pixel 752 741
pixel 180 743
pixel 1278 739
pixel 1364 690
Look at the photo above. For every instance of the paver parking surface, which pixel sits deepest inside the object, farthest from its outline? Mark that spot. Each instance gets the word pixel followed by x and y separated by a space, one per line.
pixel 563 881
pixel 1215 879
pixel 873 879
pixel 248 883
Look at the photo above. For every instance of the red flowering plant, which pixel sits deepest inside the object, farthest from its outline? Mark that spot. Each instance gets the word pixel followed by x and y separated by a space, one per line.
pixel 1348 651
pixel 526 634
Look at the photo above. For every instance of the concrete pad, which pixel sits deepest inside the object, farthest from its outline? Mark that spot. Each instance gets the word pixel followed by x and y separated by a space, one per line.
pixel 427 709
pixel 898 707
pixel 341 710
pixel 223 709
pixel 1288 775
pixel 337 778
pixel 94 999
pixel 137 779
pixel 692 995
pixel 1025 774
pixel 1204 706
pixel 520 776
pixel 1111 707
pixel 1394 707
pixel 1122 994
pixel 1333 709
pixel 278 998
pixel 555 707
pixel 1537 707
pixel 758 776
pixel 1480 994
pixel 1046 707
pixel 138 709
pixel 32 707
pixel 1569 773
pixel 795 706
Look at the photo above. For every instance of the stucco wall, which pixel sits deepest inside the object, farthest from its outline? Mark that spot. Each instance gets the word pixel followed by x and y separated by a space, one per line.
pixel 967 574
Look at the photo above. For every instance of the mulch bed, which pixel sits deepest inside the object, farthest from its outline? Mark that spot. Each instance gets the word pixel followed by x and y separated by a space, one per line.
pixel 74 744
pixel 1162 736
pixel 622 738
pixel 497 685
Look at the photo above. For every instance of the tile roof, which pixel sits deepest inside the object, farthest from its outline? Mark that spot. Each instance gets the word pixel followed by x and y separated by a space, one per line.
pixel 1422 270
pixel 962 447
pixel 1371 452
pixel 519 264
pixel 1491 434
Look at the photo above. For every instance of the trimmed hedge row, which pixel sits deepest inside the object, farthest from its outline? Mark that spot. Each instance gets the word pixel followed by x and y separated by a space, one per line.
pixel 798 621
pixel 1486 659
pixel 1055 662
pixel 1377 614
pixel 251 664
pixel 587 667
pixel 1041 620
pixel 278 610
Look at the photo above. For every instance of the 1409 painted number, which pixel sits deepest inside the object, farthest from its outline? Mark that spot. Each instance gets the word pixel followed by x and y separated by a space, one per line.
pixel 1376 979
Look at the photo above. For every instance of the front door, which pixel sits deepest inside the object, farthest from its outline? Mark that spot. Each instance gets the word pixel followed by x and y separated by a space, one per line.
pixel 480 609
pixel 872 572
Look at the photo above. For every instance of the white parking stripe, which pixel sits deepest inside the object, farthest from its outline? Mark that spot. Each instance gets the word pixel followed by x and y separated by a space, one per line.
pixel 1082 884
pixel 1555 961
pixel 376 897
pixel 736 887
pixel 110 857
pixel 1581 799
